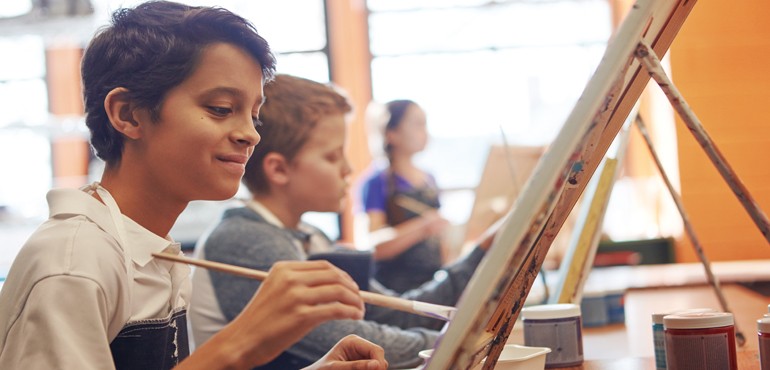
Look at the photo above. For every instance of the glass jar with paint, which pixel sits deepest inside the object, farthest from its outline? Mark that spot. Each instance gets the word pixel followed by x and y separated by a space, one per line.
pixel 700 340
pixel 558 327
pixel 763 334
pixel 659 336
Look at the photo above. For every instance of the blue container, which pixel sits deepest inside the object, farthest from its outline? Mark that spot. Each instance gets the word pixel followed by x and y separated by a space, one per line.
pixel 593 309
pixel 616 307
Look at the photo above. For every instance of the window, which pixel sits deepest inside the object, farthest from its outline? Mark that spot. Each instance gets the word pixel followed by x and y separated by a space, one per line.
pixel 297 37
pixel 24 138
pixel 484 71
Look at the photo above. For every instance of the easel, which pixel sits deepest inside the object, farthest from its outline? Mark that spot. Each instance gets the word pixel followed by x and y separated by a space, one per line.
pixel 495 295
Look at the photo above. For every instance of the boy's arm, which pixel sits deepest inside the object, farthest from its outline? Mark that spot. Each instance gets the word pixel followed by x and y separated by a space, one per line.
pixel 445 290
pixel 295 298
pixel 401 346
pixel 62 325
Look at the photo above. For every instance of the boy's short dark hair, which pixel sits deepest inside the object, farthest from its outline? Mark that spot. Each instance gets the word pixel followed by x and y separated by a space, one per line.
pixel 293 106
pixel 149 50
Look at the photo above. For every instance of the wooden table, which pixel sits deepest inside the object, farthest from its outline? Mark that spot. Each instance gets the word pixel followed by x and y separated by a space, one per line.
pixel 747 360
pixel 629 345
pixel 665 288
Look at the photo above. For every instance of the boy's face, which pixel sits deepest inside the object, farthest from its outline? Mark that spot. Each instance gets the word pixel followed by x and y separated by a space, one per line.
pixel 205 135
pixel 320 170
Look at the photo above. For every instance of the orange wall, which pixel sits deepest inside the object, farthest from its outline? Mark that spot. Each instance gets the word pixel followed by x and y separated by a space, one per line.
pixel 350 69
pixel 69 150
pixel 720 62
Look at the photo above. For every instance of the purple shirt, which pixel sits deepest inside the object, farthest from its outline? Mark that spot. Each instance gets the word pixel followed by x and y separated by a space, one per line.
pixel 375 189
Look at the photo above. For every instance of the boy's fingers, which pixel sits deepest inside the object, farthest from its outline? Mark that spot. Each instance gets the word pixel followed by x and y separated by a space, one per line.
pixel 315 273
pixel 334 302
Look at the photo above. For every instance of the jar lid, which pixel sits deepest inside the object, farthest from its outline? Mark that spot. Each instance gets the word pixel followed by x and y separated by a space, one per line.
pixel 763 324
pixel 698 320
pixel 657 318
pixel 550 311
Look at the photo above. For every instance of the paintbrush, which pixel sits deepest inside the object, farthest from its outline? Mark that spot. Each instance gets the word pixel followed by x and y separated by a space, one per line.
pixel 420 308
pixel 412 204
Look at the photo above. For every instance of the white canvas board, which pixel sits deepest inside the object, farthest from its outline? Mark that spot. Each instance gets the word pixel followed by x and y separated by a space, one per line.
pixel 609 94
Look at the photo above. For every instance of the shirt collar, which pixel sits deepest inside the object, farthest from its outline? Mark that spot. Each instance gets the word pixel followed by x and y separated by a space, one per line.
pixel 301 238
pixel 263 211
pixel 141 242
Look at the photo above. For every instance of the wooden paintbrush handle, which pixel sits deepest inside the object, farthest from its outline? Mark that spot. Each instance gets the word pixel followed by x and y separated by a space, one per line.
pixel 400 304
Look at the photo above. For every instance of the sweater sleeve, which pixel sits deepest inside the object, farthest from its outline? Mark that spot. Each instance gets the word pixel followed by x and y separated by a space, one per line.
pixel 445 289
pixel 401 345
pixel 243 242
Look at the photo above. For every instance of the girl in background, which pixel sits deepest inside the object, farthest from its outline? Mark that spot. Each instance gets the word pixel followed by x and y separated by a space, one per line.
pixel 401 202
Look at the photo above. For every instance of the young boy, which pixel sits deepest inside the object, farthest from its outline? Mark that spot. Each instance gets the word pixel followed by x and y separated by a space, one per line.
pixel 171 95
pixel 301 167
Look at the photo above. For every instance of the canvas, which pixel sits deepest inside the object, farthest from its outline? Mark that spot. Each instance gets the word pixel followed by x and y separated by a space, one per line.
pixel 493 298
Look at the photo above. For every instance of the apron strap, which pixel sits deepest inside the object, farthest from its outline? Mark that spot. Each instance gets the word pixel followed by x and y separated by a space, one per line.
pixel 117 220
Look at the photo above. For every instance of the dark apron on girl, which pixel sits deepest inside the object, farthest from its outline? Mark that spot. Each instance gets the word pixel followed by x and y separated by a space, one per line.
pixel 417 264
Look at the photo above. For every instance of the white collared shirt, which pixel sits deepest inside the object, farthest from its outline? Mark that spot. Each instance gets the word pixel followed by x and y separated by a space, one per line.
pixel 68 292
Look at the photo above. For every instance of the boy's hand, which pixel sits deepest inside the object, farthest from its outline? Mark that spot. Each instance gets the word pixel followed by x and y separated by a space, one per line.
pixel 352 353
pixel 296 297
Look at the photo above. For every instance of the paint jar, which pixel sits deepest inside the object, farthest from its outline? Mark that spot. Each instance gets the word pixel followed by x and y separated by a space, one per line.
pixel 616 308
pixel 659 335
pixel 700 340
pixel 763 332
pixel 558 327
pixel 593 309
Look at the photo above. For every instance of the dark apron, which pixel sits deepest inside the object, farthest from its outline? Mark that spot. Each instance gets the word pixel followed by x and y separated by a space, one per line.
pixel 417 264
pixel 152 344
pixel 146 344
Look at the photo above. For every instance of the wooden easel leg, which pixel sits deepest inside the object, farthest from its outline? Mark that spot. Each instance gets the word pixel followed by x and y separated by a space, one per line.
pixel 650 60
pixel 713 280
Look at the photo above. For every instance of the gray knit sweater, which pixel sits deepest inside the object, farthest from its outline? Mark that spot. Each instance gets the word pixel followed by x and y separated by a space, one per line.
pixel 245 238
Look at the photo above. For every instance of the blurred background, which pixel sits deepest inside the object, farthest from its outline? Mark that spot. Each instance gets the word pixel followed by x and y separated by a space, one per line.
pixel 488 73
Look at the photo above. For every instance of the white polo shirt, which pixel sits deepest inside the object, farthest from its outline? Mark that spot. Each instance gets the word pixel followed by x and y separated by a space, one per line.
pixel 69 293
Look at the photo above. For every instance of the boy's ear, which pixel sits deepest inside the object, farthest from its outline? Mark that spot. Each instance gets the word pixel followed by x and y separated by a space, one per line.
pixel 276 168
pixel 120 111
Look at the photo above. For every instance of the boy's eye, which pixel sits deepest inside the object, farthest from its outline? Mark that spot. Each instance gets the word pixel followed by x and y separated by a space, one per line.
pixel 220 111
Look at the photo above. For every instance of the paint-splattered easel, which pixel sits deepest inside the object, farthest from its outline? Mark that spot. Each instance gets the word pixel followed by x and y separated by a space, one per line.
pixel 652 64
pixel 495 295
